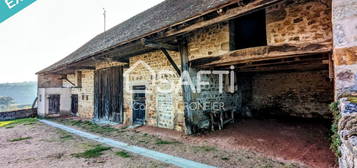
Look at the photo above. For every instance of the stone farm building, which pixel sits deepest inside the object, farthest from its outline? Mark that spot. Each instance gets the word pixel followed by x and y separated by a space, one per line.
pixel 289 58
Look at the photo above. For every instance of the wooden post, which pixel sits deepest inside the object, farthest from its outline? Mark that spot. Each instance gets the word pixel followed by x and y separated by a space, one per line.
pixel 186 90
pixel 172 62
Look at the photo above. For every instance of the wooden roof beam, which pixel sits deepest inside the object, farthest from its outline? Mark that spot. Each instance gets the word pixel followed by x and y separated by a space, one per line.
pixel 263 53
pixel 230 14
pixel 159 45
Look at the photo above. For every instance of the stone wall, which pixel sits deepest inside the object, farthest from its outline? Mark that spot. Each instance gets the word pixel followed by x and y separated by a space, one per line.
pixel 85 93
pixel 286 22
pixel 18 114
pixel 345 59
pixel 162 110
pixel 49 81
pixel 43 100
pixel 210 41
pixel 348 132
pixel 73 80
pixel 302 94
pixel 211 99
pixel 299 21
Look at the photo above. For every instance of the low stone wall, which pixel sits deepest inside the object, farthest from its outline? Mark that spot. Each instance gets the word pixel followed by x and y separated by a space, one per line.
pixel 348 133
pixel 12 115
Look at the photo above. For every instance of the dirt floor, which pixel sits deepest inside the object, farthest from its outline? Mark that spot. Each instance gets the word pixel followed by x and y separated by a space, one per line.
pixel 301 141
pixel 45 147
pixel 251 143
pixel 181 147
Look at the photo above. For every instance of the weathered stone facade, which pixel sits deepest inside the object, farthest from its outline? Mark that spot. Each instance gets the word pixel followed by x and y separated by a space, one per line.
pixel 163 110
pixel 288 22
pixel 299 22
pixel 211 99
pixel 345 58
pixel 85 92
pixel 301 94
pixel 49 81
pixel 210 41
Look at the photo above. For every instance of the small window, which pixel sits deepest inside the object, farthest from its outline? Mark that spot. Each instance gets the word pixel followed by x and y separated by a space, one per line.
pixel 248 31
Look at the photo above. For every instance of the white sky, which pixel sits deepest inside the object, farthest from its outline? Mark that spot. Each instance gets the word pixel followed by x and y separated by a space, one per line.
pixel 49 30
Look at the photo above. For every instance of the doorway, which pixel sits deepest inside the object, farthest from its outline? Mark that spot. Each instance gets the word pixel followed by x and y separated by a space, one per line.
pixel 74 104
pixel 139 105
pixel 54 104
pixel 108 97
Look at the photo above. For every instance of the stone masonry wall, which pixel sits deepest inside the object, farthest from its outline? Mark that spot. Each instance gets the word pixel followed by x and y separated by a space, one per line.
pixel 287 22
pixel 345 59
pixel 49 81
pixel 162 110
pixel 299 21
pixel 211 99
pixel 210 41
pixel 85 94
pixel 302 94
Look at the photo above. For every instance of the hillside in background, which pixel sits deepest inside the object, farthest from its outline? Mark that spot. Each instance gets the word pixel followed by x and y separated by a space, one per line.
pixel 23 93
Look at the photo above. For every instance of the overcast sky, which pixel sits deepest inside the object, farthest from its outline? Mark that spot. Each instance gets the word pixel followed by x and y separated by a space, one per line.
pixel 49 30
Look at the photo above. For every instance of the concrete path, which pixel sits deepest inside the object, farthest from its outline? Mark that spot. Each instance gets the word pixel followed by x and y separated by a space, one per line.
pixel 180 162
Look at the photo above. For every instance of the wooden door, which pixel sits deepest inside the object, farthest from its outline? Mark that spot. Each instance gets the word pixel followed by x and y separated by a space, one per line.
pixel 108 98
pixel 54 104
pixel 74 104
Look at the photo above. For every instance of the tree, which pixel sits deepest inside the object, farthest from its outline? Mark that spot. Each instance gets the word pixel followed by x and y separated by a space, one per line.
pixel 6 101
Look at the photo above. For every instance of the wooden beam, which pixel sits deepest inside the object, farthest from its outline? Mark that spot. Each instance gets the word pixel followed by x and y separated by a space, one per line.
pixel 81 67
pixel 172 62
pixel 293 60
pixel 263 53
pixel 230 14
pixel 159 45
pixel 288 67
pixel 186 90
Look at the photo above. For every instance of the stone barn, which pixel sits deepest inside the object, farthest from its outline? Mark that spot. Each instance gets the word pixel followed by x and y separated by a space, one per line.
pixel 197 65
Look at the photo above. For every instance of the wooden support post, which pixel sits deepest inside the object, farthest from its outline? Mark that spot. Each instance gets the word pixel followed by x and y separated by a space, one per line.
pixel 172 62
pixel 331 68
pixel 186 90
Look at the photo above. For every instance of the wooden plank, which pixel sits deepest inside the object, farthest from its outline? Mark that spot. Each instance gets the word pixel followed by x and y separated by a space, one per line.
pixel 263 53
pixel 230 14
pixel 288 67
pixel 172 62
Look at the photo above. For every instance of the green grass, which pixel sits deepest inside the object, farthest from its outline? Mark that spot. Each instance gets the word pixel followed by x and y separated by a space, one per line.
pixel 92 153
pixel 90 126
pixel 20 139
pixel 225 158
pixel 13 123
pixel 204 148
pixel 66 137
pixel 163 142
pixel 335 137
pixel 123 154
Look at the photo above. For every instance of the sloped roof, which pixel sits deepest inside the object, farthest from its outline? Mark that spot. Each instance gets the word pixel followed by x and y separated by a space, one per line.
pixel 158 17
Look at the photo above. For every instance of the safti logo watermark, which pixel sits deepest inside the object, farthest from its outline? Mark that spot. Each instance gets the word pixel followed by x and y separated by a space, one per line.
pixel 159 82
pixel 9 8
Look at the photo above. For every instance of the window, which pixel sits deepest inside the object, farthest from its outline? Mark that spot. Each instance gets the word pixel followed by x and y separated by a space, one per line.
pixel 248 31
